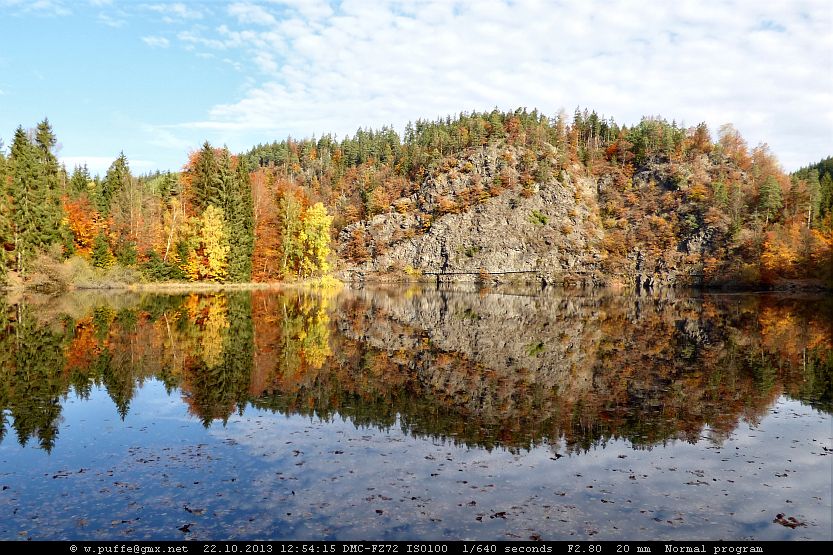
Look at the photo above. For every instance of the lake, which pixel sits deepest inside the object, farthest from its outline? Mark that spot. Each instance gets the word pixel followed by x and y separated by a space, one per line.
pixel 416 413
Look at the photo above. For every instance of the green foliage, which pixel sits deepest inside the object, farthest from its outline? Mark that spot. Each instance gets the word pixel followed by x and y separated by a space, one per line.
pixel 101 256
pixel 290 229
pixel 535 348
pixel 240 218
pixel 654 136
pixel 769 199
pixel 216 180
pixel 156 269
pixel 116 180
pixel 819 178
pixel 721 195
pixel 126 254
pixel 80 181
pixel 6 231
pixel 538 218
pixel 207 182
pixel 35 210
pixel 471 251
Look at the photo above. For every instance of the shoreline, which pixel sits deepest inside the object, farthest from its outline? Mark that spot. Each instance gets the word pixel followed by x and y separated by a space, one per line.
pixel 383 279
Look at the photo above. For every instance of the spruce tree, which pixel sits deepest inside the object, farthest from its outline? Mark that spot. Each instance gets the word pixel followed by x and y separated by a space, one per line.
pixel 223 182
pixel 825 195
pixel 49 186
pixel 206 181
pixel 101 255
pixel 240 217
pixel 79 180
pixel 25 196
pixel 115 181
pixel 769 198
pixel 6 235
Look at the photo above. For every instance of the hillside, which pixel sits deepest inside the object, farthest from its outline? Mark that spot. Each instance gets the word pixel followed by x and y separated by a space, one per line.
pixel 497 196
pixel 518 196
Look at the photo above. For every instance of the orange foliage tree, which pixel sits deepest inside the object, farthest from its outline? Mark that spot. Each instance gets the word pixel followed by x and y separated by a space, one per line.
pixel 84 222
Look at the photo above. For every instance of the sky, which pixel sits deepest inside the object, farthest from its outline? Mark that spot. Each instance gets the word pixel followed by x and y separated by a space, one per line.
pixel 157 79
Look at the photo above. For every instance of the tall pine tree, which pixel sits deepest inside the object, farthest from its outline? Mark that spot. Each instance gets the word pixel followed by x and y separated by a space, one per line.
pixel 206 183
pixel 240 217
pixel 35 212
pixel 51 177
pixel 6 235
pixel 115 181
pixel 769 198
pixel 79 181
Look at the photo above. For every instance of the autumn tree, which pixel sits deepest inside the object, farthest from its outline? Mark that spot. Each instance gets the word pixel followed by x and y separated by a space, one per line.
pixel 84 224
pixel 701 140
pixel 315 240
pixel 208 261
pixel 290 228
pixel 216 179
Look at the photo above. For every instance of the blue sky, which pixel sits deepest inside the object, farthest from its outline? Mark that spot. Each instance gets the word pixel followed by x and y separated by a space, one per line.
pixel 156 79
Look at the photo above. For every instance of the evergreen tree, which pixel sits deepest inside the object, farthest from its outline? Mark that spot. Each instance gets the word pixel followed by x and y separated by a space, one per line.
pixel 826 195
pixel 101 256
pixel 33 213
pixel 240 219
pixel 207 184
pixel 290 227
pixel 813 194
pixel 168 187
pixel 115 181
pixel 50 176
pixel 769 198
pixel 80 180
pixel 6 233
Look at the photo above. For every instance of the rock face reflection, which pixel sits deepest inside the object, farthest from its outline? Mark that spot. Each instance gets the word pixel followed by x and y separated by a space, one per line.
pixel 486 368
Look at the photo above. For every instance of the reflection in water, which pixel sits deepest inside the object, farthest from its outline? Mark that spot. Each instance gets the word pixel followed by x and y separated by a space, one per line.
pixel 475 368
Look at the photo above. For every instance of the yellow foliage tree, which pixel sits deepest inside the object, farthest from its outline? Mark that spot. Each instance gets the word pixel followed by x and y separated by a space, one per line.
pixel 209 260
pixel 315 240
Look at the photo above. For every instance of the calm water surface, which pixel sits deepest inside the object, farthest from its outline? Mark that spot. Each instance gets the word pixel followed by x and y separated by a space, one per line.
pixel 416 414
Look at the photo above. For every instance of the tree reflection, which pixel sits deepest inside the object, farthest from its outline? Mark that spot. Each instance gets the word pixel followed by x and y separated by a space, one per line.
pixel 488 369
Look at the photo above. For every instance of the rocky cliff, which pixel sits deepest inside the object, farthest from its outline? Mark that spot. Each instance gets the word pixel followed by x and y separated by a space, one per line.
pixel 475 219
pixel 497 214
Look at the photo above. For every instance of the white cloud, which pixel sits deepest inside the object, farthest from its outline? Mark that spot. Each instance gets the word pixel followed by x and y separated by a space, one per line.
pixel 191 39
pixel 161 137
pixel 38 7
pixel 764 66
pixel 156 42
pixel 111 21
pixel 176 12
pixel 251 13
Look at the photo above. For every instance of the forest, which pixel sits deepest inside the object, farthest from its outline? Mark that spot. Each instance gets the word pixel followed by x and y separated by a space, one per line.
pixel 289 210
